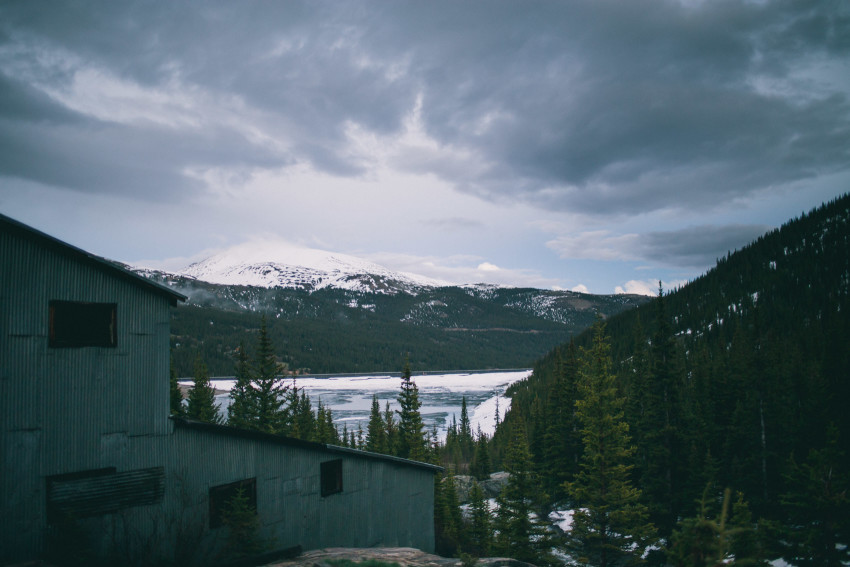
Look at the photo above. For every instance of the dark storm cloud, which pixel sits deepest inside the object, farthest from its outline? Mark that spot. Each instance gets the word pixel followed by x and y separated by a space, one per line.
pixel 594 107
pixel 697 246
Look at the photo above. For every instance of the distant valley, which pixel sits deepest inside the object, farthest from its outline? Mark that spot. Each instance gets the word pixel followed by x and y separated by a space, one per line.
pixel 335 313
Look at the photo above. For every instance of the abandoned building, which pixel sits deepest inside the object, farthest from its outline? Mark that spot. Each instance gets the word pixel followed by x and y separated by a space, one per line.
pixel 86 438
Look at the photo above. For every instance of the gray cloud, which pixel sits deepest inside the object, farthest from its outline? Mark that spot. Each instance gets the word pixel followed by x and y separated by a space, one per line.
pixel 698 246
pixel 692 247
pixel 593 107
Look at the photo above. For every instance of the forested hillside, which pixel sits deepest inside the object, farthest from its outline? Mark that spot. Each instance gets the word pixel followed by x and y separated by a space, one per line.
pixel 335 330
pixel 739 380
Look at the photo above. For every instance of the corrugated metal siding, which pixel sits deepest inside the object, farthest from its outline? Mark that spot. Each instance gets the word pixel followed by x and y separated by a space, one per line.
pixel 67 410
pixel 73 408
pixel 382 503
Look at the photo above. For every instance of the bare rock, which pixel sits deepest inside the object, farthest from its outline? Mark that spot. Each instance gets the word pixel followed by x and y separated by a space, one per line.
pixel 493 486
pixel 404 556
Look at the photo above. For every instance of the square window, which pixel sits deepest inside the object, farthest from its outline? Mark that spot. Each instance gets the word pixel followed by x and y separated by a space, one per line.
pixel 79 324
pixel 331 472
pixel 222 496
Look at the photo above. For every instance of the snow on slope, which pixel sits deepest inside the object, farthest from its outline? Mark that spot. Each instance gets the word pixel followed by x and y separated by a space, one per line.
pixel 276 263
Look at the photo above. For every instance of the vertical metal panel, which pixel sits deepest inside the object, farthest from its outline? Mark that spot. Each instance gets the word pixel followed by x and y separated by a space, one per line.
pixel 65 410
pixel 382 502
pixel 81 404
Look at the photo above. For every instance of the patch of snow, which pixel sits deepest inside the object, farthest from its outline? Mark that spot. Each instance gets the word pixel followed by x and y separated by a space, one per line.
pixel 277 263
pixel 562 518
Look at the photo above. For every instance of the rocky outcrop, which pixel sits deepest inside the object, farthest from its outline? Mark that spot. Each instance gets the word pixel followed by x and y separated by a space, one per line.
pixel 491 487
pixel 404 556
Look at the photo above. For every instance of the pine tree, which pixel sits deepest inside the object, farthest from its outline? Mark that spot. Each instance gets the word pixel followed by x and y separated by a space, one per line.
pixel 464 432
pixel 243 537
pixel 658 427
pixel 176 394
pixel 376 435
pixel 304 422
pixel 391 429
pixel 242 412
pixel 818 507
pixel 411 439
pixel 269 389
pixel 480 466
pixel 481 523
pixel 561 445
pixel 519 533
pixel 201 404
pixel 449 527
pixel 610 525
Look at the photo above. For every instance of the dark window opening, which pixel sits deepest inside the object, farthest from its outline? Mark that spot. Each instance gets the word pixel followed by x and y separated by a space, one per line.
pixel 331 472
pixel 222 497
pixel 79 324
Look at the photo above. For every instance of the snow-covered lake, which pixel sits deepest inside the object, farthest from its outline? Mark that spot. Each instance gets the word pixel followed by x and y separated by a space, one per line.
pixel 350 397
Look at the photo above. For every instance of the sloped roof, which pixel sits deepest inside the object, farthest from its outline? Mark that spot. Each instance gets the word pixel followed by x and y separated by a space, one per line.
pixel 12 226
pixel 217 429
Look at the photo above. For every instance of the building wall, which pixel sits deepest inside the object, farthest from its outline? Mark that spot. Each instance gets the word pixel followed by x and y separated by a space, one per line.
pixel 67 410
pixel 64 410
pixel 382 503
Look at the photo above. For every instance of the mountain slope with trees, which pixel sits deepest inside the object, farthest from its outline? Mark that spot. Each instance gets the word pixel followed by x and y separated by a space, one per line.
pixel 738 381
pixel 334 330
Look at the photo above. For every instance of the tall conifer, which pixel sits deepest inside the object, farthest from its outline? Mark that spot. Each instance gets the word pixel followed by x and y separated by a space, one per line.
pixel 242 411
pixel 610 525
pixel 201 399
pixel 176 395
pixel 376 435
pixel 411 441
pixel 520 535
pixel 269 388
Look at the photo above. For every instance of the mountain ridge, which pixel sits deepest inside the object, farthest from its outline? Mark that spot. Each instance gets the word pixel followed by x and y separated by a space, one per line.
pixel 360 329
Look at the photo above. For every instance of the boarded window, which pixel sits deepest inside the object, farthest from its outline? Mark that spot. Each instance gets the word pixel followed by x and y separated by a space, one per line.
pixel 222 496
pixel 331 472
pixel 102 491
pixel 78 324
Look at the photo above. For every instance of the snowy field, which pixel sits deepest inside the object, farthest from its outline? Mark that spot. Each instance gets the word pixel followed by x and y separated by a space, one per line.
pixel 350 397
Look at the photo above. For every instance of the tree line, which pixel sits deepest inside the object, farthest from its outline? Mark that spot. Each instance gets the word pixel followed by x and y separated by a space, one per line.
pixel 734 394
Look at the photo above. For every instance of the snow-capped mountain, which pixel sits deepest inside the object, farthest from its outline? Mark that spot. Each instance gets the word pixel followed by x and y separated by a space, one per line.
pixel 273 264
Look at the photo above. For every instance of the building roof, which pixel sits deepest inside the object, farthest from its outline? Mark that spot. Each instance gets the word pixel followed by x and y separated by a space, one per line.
pixel 226 430
pixel 12 226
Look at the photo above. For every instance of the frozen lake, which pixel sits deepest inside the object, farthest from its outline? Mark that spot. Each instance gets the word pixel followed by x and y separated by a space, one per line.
pixel 350 397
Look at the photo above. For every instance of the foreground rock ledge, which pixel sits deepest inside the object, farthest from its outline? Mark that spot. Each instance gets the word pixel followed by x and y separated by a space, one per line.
pixel 405 556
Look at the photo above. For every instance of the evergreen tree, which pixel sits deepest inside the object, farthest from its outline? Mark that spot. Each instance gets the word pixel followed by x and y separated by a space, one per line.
pixel 610 525
pixel 464 432
pixel 703 541
pixel 176 395
pixel 201 398
pixel 269 389
pixel 411 442
pixel 304 422
pixel 561 445
pixel 243 526
pixel 519 534
pixel 818 507
pixel 376 434
pixel 481 523
pixel 658 426
pixel 242 412
pixel 391 429
pixel 450 533
pixel 480 466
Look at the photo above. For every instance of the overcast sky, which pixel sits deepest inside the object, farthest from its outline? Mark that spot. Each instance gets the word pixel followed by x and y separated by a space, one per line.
pixel 596 145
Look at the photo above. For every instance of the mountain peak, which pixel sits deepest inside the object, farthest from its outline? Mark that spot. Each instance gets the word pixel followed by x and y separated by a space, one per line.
pixel 278 263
